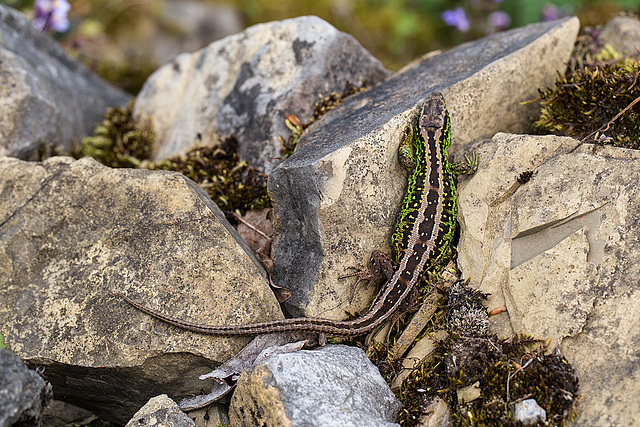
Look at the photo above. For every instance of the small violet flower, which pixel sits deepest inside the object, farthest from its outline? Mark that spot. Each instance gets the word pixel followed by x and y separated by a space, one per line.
pixel 550 12
pixel 51 15
pixel 456 18
pixel 499 20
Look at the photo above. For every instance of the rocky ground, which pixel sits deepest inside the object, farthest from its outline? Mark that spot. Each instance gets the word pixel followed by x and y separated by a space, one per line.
pixel 554 251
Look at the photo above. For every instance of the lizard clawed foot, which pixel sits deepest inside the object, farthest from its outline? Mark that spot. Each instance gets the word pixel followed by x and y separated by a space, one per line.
pixel 379 264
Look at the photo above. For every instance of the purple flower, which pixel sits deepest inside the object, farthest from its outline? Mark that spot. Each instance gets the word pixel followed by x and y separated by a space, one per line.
pixel 456 18
pixel 550 12
pixel 51 14
pixel 499 20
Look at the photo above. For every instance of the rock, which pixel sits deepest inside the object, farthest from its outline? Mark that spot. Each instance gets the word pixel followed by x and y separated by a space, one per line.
pixel 559 253
pixel 623 34
pixel 212 415
pixel 160 411
pixel 72 231
pixel 335 385
pixel 421 351
pixel 46 98
pixel 336 198
pixel 437 414
pixel 244 85
pixel 528 412
pixel 469 393
pixel 23 393
pixel 59 413
pixel 189 25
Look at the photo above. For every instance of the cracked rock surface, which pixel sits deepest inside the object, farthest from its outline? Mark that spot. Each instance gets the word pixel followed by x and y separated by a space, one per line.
pixel 73 231
pixel 335 385
pixel 560 253
pixel 244 85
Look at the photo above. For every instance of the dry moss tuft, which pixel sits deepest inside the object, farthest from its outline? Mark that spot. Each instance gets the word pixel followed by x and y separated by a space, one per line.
pixel 233 184
pixel 117 141
pixel 598 85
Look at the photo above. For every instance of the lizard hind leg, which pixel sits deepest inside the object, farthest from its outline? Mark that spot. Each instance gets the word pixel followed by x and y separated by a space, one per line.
pixel 380 264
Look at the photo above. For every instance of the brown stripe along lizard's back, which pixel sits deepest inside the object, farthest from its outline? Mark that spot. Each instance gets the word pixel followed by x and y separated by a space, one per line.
pixel 422 238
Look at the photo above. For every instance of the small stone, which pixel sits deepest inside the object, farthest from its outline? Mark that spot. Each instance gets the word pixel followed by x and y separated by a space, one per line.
pixel 160 411
pixel 623 34
pixel 469 393
pixel 529 412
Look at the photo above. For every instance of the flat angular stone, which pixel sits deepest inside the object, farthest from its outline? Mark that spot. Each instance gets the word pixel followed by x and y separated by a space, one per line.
pixel 23 393
pixel 46 98
pixel 335 385
pixel 559 252
pixel 244 85
pixel 73 231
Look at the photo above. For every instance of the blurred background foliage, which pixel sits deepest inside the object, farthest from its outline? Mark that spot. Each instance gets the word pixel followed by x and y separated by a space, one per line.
pixel 124 41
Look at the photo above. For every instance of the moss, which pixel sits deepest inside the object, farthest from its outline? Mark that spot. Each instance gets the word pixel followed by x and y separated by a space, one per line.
pixel 117 141
pixel 320 108
pixel 598 85
pixel 232 183
pixel 507 371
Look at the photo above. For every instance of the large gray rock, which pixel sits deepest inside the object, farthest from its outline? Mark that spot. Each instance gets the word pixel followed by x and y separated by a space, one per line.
pixel 623 34
pixel 188 25
pixel 559 252
pixel 71 232
pixel 46 98
pixel 333 386
pixel 336 198
pixel 23 393
pixel 244 85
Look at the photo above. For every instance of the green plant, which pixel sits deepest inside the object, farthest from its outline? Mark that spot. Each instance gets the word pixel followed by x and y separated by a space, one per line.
pixel 586 103
pixel 117 141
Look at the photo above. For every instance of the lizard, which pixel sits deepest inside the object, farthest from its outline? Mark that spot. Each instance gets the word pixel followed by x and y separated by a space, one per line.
pixel 422 238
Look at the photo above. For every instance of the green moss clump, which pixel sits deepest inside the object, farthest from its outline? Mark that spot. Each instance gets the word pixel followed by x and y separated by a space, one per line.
pixel 232 183
pixel 506 371
pixel 117 142
pixel 320 108
pixel 598 85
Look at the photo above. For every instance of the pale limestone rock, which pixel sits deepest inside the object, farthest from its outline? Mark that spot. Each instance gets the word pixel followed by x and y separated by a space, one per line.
pixel 72 231
pixel 160 411
pixel 336 198
pixel 623 34
pixel 436 414
pixel 335 385
pixel 528 412
pixel 469 393
pixel 559 253
pixel 244 85
pixel 46 98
